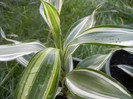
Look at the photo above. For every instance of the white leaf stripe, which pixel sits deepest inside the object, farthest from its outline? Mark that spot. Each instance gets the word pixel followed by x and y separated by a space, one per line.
pixel 109 35
pixel 10 52
pixel 98 35
pixel 69 65
pixel 24 60
pixel 43 15
pixel 53 76
pixel 88 83
pixel 48 85
pixel 126 68
pixel 22 82
pixel 95 62
pixel 56 3
pixel 4 37
pixel 52 16
pixel 81 25
pixel 31 78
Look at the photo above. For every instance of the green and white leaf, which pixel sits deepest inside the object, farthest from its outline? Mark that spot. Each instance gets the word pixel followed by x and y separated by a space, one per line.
pixel 80 26
pixel 56 3
pixel 127 69
pixel 128 49
pixel 10 52
pixel 92 84
pixel 58 91
pixel 41 77
pixel 24 60
pixel 69 65
pixel 95 62
pixel 51 16
pixel 106 35
pixel 4 37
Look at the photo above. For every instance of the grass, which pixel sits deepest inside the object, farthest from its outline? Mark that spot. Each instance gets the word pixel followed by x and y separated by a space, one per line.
pixel 20 19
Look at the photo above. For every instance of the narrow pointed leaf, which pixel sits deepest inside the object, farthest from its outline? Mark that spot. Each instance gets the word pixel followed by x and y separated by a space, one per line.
pixel 23 60
pixel 4 37
pixel 10 52
pixel 56 3
pixel 40 78
pixel 95 62
pixel 127 69
pixel 106 35
pixel 92 84
pixel 128 49
pixel 51 16
pixel 80 26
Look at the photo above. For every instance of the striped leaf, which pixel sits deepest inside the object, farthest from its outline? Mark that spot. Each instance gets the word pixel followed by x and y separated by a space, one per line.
pixel 56 3
pixel 24 60
pixel 105 35
pixel 128 49
pixel 4 37
pixel 127 69
pixel 10 52
pixel 92 84
pixel 95 62
pixel 69 65
pixel 80 26
pixel 40 78
pixel 51 16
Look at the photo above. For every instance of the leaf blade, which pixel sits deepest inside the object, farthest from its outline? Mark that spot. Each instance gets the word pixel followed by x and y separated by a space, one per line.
pixel 95 62
pixel 51 16
pixel 89 83
pixel 80 26
pixel 41 76
pixel 10 52
pixel 127 69
pixel 102 35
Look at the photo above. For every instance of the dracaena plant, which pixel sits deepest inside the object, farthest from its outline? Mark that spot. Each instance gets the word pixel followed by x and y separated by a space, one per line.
pixel 48 66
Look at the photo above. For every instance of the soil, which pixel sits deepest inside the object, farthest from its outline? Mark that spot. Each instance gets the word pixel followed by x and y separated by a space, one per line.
pixel 60 97
pixel 122 57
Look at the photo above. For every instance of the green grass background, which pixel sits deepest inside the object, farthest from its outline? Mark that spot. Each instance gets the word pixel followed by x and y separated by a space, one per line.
pixel 22 18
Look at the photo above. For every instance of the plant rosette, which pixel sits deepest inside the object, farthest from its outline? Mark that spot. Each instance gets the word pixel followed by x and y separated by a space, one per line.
pixel 46 67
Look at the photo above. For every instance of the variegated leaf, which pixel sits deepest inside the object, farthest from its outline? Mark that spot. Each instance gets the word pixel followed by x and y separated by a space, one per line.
pixel 128 49
pixel 106 35
pixel 51 16
pixel 4 37
pixel 24 60
pixel 41 77
pixel 127 69
pixel 95 62
pixel 69 65
pixel 92 84
pixel 80 26
pixel 13 51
